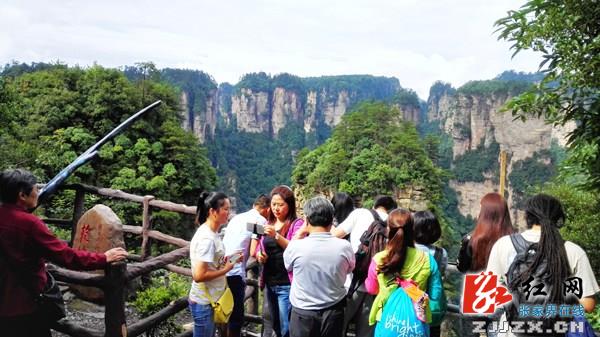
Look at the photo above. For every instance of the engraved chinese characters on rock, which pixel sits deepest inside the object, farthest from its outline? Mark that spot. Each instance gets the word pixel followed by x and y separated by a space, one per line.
pixel 98 230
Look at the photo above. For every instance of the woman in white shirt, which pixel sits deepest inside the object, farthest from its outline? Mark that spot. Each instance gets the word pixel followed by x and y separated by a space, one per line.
pixel 209 263
pixel 559 259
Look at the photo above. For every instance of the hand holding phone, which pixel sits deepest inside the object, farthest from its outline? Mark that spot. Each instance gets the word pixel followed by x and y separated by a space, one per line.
pixel 236 257
pixel 255 228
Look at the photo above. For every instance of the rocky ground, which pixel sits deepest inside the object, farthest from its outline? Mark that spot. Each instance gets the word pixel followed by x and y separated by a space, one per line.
pixel 91 315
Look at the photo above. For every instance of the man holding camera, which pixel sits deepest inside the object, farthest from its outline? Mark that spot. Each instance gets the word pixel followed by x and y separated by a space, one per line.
pixel 238 235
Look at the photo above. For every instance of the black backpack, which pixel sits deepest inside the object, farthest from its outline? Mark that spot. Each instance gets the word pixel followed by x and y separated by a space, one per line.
pixel 530 288
pixel 372 241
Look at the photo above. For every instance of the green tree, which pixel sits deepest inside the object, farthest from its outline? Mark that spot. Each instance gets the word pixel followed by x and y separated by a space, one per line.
pixel 566 33
pixel 57 113
pixel 371 151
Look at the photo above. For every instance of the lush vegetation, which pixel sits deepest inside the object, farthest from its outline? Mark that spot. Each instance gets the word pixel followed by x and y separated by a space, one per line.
pixel 511 75
pixel 244 174
pixel 249 164
pixel 438 146
pixel 363 87
pixel 163 290
pixel 494 87
pixel 534 171
pixel 479 164
pixel 371 151
pixel 439 88
pixel 406 97
pixel 582 224
pixel 566 34
pixel 51 116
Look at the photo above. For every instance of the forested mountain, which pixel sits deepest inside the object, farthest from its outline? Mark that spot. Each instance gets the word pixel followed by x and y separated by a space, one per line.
pixel 473 129
pixel 253 132
pixel 253 129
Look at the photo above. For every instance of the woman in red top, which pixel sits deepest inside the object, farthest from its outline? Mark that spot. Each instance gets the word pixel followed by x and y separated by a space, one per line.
pixel 26 244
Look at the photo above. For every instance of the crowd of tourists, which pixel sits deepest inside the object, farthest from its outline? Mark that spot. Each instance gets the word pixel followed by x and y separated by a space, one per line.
pixel 332 271
pixel 374 271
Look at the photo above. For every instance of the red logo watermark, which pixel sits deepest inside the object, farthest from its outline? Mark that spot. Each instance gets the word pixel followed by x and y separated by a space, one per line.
pixel 482 293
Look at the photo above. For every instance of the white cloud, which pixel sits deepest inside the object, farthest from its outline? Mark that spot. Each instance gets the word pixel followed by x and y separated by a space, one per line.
pixel 418 42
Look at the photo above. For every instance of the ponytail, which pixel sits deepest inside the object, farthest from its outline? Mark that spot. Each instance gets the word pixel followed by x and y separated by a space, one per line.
pixel 400 236
pixel 547 211
pixel 206 201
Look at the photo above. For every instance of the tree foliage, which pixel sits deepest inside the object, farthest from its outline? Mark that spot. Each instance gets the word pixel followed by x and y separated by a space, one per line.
pixel 249 164
pixel 566 34
pixel 534 171
pixel 494 87
pixel 511 75
pixel 371 151
pixel 583 220
pixel 476 165
pixel 54 115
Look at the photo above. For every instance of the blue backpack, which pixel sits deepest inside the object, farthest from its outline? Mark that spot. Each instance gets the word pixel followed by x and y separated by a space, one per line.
pixel 399 319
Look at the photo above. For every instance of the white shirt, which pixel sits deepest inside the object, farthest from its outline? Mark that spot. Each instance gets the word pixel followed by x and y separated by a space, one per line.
pixel 321 263
pixel 237 238
pixel 357 222
pixel 206 246
pixel 503 253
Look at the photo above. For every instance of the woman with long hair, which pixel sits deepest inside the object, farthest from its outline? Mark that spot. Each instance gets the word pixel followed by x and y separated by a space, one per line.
pixel 281 226
pixel 343 206
pixel 402 260
pixel 492 224
pixel 557 259
pixel 209 264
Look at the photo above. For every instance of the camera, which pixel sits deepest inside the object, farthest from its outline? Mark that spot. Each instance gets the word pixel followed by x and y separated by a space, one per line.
pixel 255 228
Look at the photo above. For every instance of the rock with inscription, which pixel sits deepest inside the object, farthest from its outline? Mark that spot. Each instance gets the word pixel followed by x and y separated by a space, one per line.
pixel 98 230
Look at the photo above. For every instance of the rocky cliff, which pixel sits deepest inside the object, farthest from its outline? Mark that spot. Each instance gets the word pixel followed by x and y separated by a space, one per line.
pixel 263 104
pixel 474 121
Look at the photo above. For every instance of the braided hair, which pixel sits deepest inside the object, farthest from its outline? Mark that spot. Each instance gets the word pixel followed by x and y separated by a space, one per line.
pixel 547 211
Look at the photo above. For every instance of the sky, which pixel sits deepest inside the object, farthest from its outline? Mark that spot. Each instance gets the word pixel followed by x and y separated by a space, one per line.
pixel 416 41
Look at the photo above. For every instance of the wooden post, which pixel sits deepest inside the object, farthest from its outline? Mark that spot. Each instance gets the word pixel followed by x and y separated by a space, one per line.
pixel 146 226
pixel 114 298
pixel 502 172
pixel 78 208
pixel 146 241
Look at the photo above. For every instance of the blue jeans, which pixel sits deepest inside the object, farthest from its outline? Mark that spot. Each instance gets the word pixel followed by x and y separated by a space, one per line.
pixel 280 308
pixel 204 325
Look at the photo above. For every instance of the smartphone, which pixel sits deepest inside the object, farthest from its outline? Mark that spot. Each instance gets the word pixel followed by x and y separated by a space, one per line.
pixel 235 258
pixel 255 228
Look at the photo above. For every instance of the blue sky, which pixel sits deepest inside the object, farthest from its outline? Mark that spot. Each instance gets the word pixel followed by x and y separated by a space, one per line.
pixel 417 41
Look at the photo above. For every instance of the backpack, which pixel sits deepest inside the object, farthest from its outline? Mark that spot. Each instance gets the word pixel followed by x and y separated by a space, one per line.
pixel 372 241
pixel 399 317
pixel 516 278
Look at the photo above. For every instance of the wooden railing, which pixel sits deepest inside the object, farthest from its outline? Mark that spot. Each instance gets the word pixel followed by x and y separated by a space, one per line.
pixel 117 275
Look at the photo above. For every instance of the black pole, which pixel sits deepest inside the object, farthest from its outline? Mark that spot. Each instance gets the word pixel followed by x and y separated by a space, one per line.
pixel 89 154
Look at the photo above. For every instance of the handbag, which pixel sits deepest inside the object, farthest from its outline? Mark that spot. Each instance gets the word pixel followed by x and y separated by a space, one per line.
pixel 223 307
pixel 50 302
pixel 51 305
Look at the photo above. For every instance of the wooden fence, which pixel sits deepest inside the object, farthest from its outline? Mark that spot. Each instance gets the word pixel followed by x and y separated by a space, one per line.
pixel 118 275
